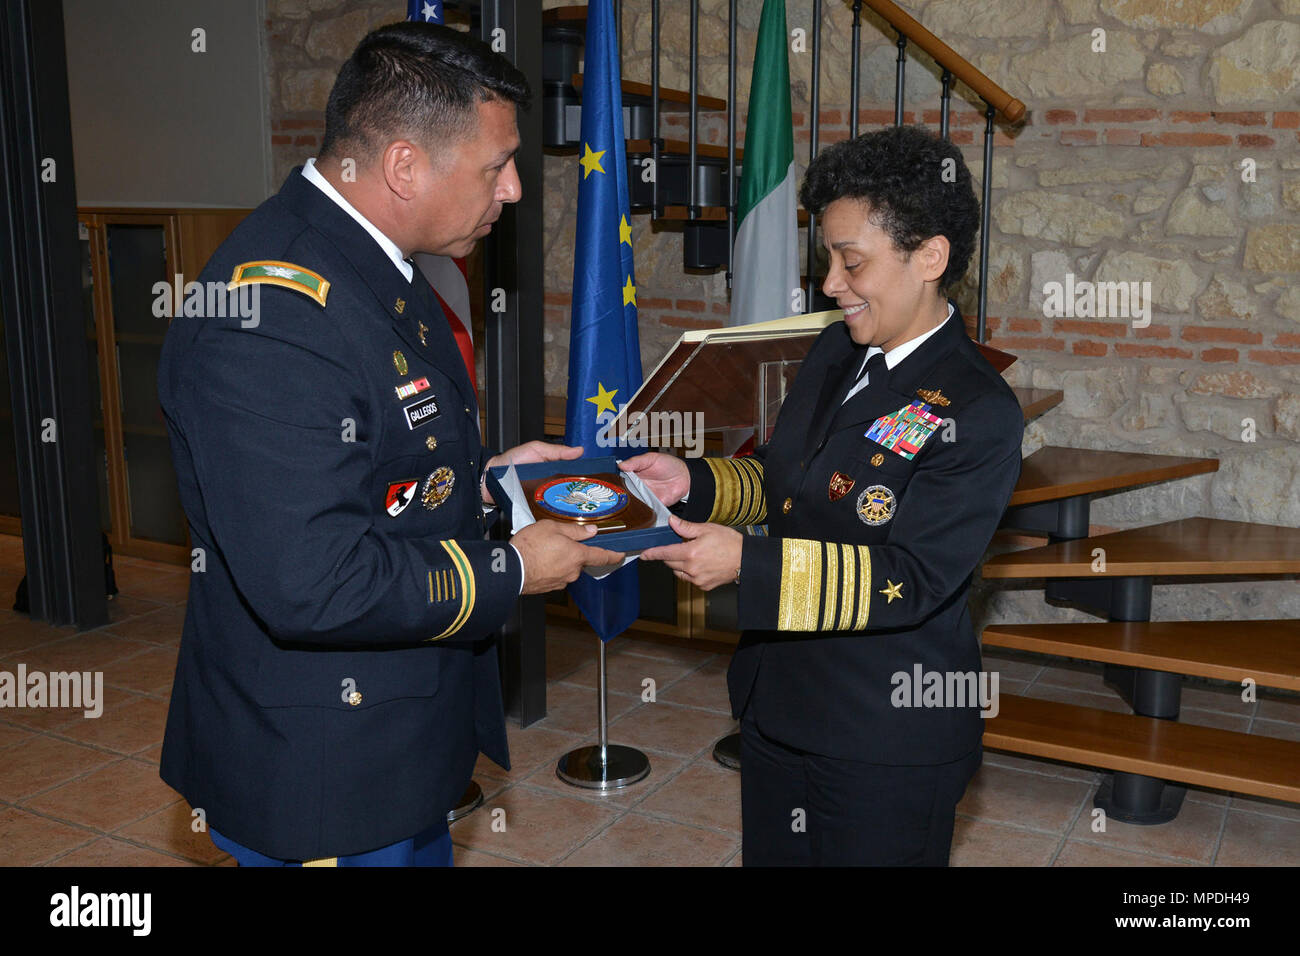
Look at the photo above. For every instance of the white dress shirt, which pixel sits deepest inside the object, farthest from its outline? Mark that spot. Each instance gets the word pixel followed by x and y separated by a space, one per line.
pixel 894 355
pixel 313 175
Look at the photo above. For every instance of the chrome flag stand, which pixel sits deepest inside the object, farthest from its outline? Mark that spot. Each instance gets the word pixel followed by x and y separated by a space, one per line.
pixel 603 766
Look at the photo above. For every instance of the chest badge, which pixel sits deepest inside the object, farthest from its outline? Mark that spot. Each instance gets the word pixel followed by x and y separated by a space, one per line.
pixel 424 330
pixel 437 487
pixel 399 362
pixel 400 494
pixel 876 505
pixel 841 484
pixel 934 397
pixel 877 460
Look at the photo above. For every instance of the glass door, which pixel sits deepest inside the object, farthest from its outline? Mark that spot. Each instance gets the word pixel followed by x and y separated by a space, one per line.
pixel 130 254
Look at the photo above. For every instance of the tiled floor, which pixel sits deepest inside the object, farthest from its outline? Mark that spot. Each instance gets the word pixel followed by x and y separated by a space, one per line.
pixel 83 792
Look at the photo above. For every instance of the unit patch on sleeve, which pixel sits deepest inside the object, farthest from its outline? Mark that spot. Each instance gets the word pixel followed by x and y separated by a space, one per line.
pixel 904 432
pixel 400 494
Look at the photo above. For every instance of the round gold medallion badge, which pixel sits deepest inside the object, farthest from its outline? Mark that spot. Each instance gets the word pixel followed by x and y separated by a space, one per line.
pixel 876 505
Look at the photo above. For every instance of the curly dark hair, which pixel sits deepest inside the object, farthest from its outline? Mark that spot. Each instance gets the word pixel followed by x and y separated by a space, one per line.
pixel 899 173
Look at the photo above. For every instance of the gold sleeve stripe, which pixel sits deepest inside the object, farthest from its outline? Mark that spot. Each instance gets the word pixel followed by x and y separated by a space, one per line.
pixel 323 861
pixel 466 573
pixel 864 586
pixel 738 497
pixel 801 578
pixel 824 586
pixel 831 589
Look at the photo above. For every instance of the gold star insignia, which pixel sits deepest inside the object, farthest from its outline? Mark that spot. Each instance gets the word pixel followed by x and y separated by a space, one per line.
pixel 893 591
pixel 603 400
pixel 624 231
pixel 629 292
pixel 591 161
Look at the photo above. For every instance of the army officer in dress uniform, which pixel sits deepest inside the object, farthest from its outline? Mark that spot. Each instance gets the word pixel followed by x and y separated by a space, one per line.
pixel 336 681
pixel 888 471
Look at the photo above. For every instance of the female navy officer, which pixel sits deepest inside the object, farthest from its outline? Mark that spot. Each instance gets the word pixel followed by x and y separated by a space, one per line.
pixel 856 680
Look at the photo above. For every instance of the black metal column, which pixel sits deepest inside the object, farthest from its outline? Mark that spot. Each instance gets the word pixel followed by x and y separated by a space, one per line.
pixel 1131 797
pixel 44 325
pixel 513 262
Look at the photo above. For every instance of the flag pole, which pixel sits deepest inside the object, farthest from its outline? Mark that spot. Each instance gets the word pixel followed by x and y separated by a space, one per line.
pixel 604 354
pixel 604 766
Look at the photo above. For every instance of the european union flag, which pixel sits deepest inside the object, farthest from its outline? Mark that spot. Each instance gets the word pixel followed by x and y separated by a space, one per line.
pixel 604 350
pixel 426 11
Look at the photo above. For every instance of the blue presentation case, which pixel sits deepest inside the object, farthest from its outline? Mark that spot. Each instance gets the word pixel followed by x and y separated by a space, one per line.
pixel 628 542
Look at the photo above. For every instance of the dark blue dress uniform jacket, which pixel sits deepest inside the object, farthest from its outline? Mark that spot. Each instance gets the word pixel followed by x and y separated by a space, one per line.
pixel 854 584
pixel 334 685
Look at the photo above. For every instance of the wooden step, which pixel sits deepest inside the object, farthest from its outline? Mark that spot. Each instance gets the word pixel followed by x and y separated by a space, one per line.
pixel 1185 753
pixel 668 98
pixel 1053 472
pixel 1035 401
pixel 681 147
pixel 572 16
pixel 1268 652
pixel 1206 546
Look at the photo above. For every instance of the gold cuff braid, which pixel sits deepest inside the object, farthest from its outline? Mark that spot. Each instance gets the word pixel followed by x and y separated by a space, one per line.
pixel 738 491
pixel 824 586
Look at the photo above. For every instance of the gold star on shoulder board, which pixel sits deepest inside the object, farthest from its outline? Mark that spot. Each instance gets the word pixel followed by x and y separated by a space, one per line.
pixel 893 591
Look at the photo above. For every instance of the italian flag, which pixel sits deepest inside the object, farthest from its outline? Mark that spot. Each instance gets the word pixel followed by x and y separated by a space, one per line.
pixel 765 263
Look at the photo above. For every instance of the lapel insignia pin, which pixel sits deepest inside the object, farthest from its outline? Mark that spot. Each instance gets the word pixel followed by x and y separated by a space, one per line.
pixel 876 505
pixel 877 460
pixel 437 487
pixel 934 397
pixel 400 306
pixel 399 362
pixel 841 485
pixel 431 443
pixel 893 591
pixel 423 330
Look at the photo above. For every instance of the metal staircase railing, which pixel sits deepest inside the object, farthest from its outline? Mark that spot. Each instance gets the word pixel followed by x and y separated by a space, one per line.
pixel 705 187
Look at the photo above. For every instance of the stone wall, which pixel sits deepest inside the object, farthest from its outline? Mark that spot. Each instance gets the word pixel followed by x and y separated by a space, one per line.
pixel 1128 167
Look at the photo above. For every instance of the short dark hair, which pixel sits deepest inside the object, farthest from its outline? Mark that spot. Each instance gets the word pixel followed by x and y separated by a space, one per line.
pixel 899 173
pixel 417 80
